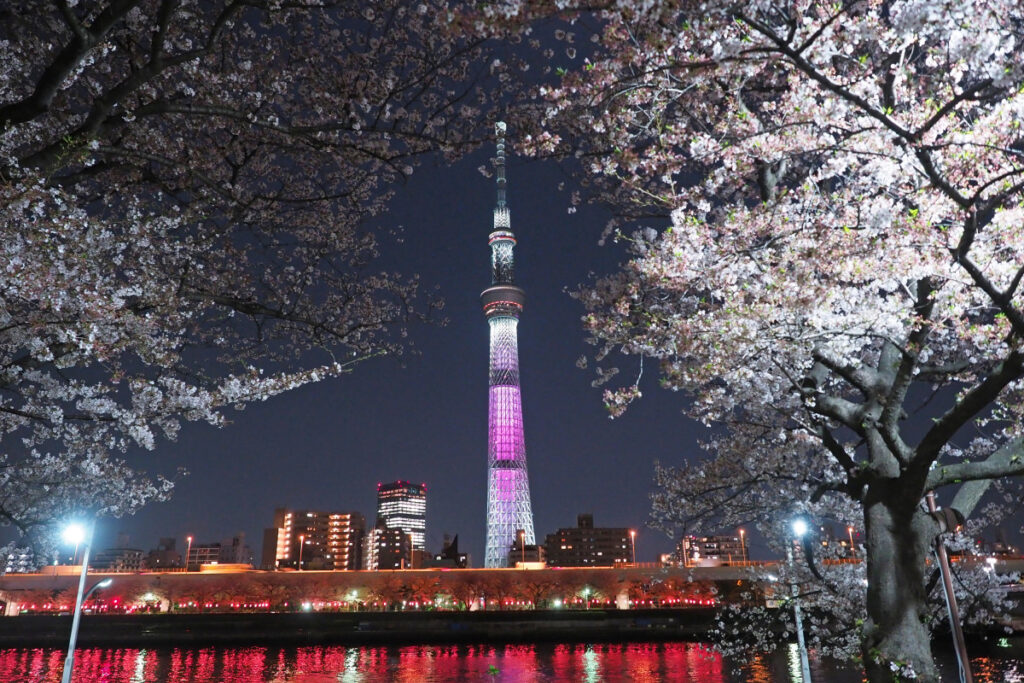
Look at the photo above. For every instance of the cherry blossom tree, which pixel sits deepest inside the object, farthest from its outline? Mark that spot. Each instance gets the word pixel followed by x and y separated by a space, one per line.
pixel 838 284
pixel 183 186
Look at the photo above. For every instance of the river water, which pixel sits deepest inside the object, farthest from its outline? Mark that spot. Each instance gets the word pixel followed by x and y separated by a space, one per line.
pixel 542 663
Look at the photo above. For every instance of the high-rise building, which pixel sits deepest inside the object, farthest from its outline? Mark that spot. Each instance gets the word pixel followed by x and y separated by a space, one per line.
pixel 401 505
pixel 313 539
pixel 588 546
pixel 508 486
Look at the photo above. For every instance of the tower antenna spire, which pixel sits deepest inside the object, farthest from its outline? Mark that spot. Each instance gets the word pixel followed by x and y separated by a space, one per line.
pixel 499 162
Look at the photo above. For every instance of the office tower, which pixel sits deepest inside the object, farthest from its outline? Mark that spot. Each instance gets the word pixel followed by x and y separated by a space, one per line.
pixel 401 505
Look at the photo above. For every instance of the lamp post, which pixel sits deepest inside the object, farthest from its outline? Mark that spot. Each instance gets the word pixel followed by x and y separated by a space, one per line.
pixel 632 540
pixel 947 587
pixel 522 545
pixel 188 551
pixel 79 535
pixel 302 542
pixel 799 529
pixel 743 544
pixel 853 550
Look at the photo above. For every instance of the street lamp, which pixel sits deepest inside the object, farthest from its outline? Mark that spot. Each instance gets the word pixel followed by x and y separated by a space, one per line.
pixel 188 551
pixel 79 535
pixel 632 540
pixel 302 542
pixel 799 530
pixel 853 550
pixel 743 544
pixel 522 545
pixel 948 520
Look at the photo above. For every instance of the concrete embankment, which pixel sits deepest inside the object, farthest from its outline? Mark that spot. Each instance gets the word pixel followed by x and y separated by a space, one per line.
pixel 360 628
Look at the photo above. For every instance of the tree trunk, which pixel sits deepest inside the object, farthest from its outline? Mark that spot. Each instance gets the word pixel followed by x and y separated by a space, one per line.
pixel 896 640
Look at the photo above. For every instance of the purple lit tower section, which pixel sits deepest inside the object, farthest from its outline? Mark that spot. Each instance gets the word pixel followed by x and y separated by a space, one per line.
pixel 508 487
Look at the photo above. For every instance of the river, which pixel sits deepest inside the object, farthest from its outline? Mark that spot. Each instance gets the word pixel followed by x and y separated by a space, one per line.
pixel 542 663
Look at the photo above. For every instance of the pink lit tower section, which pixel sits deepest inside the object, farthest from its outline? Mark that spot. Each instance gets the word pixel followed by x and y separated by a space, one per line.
pixel 508 487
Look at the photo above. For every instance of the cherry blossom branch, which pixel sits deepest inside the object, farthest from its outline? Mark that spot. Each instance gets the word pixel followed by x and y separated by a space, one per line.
pixel 969 405
pixel 64 64
pixel 809 70
pixel 903 377
pixel 1007 461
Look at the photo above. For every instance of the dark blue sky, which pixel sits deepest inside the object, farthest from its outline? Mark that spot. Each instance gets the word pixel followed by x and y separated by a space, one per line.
pixel 326 446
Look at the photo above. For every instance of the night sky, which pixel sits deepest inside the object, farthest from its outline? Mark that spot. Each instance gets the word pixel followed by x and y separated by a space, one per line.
pixel 327 446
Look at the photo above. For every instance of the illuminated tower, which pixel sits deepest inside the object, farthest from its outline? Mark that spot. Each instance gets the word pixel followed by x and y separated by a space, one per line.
pixel 508 488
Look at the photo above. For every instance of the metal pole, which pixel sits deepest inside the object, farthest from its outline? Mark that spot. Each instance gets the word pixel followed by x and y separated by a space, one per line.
pixel 951 606
pixel 69 661
pixel 805 665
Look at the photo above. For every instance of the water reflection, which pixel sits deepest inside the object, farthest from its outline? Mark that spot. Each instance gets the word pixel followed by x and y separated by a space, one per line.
pixel 544 663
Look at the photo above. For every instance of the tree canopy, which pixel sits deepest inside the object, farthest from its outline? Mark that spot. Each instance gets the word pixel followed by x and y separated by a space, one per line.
pixel 184 187
pixel 839 286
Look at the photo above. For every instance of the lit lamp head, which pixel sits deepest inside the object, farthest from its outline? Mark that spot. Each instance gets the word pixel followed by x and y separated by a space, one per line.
pixel 104 583
pixel 799 527
pixel 73 533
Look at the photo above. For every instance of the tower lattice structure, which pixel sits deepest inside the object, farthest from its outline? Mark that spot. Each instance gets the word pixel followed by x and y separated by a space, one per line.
pixel 508 488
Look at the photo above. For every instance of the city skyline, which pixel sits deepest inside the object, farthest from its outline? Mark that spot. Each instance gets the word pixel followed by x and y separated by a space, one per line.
pixel 383 417
pixel 326 446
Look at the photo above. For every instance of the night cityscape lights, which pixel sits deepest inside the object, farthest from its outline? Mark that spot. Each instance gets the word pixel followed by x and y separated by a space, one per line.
pixel 508 486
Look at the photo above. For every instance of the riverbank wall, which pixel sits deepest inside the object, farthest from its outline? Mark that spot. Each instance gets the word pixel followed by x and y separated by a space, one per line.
pixel 360 628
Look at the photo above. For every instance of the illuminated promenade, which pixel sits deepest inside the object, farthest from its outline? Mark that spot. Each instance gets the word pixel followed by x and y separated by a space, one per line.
pixel 493 605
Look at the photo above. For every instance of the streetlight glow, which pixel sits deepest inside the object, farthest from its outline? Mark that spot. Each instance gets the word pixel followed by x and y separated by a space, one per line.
pixel 799 527
pixel 73 533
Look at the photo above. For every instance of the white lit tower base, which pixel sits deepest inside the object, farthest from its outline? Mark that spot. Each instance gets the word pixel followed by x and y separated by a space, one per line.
pixel 508 486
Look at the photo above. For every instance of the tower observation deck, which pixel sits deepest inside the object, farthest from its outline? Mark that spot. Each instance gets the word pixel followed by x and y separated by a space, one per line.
pixel 508 487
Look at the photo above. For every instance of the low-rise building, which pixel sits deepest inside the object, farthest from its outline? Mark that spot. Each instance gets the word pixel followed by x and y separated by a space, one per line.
pixel 587 545
pixel 695 551
pixel 117 560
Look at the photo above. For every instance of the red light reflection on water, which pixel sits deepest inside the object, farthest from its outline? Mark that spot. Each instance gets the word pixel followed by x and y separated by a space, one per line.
pixel 575 663
pixel 637 663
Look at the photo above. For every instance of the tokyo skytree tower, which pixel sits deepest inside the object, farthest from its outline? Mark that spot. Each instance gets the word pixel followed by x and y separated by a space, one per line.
pixel 508 487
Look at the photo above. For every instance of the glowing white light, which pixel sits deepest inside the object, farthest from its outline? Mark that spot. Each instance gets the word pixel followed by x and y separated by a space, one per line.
pixel 799 527
pixel 74 533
